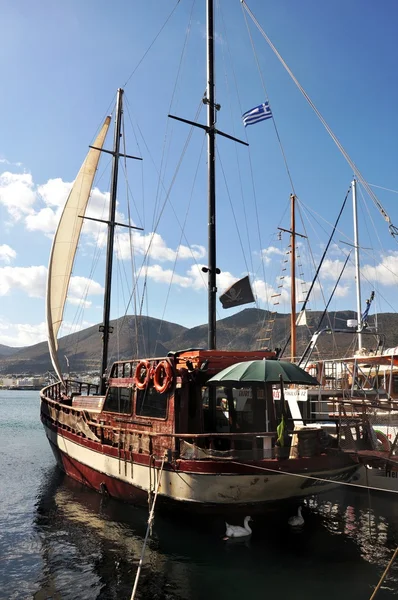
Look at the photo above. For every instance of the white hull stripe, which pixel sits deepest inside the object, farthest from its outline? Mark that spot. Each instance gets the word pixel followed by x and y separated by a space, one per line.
pixel 194 487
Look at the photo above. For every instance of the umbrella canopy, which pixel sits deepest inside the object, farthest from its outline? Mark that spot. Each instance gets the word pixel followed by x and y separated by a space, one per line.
pixel 262 371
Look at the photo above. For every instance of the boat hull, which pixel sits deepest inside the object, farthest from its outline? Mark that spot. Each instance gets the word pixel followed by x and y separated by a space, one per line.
pixel 200 486
pixel 380 479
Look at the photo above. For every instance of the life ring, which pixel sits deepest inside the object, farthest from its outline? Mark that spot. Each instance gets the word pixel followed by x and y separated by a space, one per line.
pixel 142 374
pixel 163 376
pixel 310 368
pixel 383 439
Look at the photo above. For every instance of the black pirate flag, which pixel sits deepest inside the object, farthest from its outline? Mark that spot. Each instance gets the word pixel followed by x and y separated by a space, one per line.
pixel 239 293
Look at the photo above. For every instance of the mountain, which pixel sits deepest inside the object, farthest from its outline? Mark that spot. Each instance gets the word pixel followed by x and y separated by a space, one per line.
pixel 248 329
pixel 83 349
pixel 8 350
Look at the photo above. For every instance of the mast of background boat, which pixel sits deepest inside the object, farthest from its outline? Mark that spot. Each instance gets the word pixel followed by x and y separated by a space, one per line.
pixel 105 328
pixel 293 323
pixel 293 279
pixel 357 267
pixel 211 172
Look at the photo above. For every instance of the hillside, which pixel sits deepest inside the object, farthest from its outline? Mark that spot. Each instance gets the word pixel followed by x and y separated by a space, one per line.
pixel 8 350
pixel 83 349
pixel 248 329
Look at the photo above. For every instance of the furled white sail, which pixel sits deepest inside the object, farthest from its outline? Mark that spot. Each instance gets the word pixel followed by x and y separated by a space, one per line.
pixel 65 243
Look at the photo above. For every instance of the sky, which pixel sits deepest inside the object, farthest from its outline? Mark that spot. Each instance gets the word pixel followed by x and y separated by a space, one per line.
pixel 62 64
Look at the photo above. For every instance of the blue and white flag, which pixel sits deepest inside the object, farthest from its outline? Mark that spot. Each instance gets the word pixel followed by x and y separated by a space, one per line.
pixel 259 113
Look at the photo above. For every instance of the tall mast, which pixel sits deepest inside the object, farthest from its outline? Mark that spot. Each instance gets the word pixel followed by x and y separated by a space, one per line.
pixel 211 131
pixel 211 119
pixel 357 267
pixel 293 344
pixel 105 328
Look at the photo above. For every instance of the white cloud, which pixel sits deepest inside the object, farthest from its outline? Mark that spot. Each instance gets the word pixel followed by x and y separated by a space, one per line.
pixel 386 272
pixel 22 334
pixel 4 161
pixel 154 246
pixel 7 253
pixel 160 275
pixel 17 194
pixel 22 197
pixel 342 291
pixel 54 192
pixel 80 287
pixel 44 220
pixel 267 253
pixel 331 269
pixel 31 280
pixel 193 279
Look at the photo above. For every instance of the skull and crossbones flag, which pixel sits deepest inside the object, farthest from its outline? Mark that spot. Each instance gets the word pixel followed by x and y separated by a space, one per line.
pixel 239 293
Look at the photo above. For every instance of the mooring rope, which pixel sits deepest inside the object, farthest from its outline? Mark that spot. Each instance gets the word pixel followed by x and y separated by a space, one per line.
pixel 148 529
pixel 314 478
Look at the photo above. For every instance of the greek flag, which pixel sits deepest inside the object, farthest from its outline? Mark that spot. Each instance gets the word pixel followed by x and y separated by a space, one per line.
pixel 259 113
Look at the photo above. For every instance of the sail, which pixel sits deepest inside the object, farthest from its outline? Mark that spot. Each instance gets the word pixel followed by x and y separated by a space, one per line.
pixel 65 243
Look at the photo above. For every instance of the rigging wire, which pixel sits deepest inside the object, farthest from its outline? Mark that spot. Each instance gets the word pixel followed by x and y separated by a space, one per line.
pixel 267 98
pixel 131 238
pixel 239 172
pixel 170 123
pixel 392 229
pixel 167 200
pixel 151 44
pixel 181 237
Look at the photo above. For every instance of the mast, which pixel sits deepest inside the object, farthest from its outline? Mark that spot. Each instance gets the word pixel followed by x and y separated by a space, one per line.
pixel 211 119
pixel 357 267
pixel 293 344
pixel 105 328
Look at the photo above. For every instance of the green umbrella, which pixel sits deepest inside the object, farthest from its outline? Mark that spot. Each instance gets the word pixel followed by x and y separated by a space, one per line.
pixel 262 371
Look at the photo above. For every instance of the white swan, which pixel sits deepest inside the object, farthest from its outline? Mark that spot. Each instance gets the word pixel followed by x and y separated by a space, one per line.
pixel 235 531
pixel 297 520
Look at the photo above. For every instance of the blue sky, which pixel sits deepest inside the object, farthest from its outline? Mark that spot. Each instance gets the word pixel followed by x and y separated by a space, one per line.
pixel 62 64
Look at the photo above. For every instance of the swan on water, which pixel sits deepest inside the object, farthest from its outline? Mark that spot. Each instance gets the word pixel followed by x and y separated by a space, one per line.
pixel 297 520
pixel 235 531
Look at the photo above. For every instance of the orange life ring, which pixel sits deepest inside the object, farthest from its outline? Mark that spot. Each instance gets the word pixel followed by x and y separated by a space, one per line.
pixel 163 376
pixel 309 368
pixel 142 374
pixel 383 439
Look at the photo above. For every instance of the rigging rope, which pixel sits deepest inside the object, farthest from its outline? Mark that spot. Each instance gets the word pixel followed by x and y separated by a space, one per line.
pixel 267 98
pixel 392 229
pixel 151 44
pixel 148 530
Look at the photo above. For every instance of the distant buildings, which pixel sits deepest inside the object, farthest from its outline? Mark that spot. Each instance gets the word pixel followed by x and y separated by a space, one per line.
pixel 22 383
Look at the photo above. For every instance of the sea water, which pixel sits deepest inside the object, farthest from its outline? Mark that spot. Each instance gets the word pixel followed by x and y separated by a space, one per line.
pixel 60 540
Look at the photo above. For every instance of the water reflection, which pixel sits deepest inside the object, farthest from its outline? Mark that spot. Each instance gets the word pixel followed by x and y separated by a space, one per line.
pixel 90 547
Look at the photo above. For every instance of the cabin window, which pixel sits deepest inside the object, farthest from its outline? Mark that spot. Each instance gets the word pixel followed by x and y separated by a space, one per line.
pixel 118 400
pixel 150 403
pixel 395 384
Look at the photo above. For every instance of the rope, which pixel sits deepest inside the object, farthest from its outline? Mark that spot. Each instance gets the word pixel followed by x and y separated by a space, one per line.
pixel 382 578
pixel 148 529
pixel 280 472
pixel 392 228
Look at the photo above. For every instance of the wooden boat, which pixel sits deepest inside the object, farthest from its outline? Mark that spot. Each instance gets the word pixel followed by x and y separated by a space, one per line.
pixel 153 421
